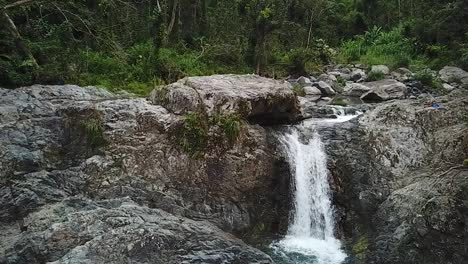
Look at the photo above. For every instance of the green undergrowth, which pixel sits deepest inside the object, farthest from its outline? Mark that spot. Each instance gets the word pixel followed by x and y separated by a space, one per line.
pixel 377 46
pixel 375 76
pixel 198 132
pixel 427 78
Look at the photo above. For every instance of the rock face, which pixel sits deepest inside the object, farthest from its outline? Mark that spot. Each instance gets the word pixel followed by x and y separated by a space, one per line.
pixel 400 185
pixel 384 90
pixel 255 98
pixel 453 74
pixel 86 175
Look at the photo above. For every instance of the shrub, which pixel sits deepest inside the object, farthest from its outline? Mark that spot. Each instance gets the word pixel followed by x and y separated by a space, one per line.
pixel 375 76
pixel 230 125
pixel 298 89
pixel 427 78
pixel 199 132
pixel 378 47
pixel 192 135
pixel 93 129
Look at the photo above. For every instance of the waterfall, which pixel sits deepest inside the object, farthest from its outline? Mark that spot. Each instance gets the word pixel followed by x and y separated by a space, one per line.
pixel 310 237
pixel 313 215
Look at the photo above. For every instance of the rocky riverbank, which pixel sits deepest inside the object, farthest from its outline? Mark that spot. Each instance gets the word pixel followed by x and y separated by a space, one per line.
pixel 88 176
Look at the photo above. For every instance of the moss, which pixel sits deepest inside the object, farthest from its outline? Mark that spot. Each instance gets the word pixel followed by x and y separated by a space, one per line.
pixel 359 248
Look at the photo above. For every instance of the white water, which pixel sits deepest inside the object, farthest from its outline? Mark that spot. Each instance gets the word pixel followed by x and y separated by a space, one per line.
pixel 311 228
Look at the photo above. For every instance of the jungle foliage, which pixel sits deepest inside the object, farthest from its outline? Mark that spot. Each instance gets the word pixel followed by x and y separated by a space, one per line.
pixel 135 45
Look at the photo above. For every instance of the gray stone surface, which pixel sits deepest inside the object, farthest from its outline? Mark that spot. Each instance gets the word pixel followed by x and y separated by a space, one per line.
pixel 399 181
pixel 256 98
pixel 73 194
pixel 453 74
pixel 384 90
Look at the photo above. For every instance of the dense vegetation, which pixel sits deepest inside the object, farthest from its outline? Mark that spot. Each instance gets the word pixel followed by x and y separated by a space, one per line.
pixel 136 44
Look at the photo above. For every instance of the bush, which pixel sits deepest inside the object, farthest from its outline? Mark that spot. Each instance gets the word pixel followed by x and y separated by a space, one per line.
pixel 199 132
pixel 93 128
pixel 378 47
pixel 375 76
pixel 298 89
pixel 427 78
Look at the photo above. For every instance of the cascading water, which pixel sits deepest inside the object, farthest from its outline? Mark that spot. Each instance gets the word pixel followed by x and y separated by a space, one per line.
pixel 310 237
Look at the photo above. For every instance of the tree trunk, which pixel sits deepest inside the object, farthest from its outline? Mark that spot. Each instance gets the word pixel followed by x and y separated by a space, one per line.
pixel 21 45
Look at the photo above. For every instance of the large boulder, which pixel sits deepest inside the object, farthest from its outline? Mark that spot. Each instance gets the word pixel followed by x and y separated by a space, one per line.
pixel 95 148
pixel 380 68
pixel 384 90
pixel 356 89
pixel 453 74
pixel 252 97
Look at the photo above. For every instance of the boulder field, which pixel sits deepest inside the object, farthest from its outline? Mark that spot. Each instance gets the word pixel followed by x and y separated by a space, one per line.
pixel 89 176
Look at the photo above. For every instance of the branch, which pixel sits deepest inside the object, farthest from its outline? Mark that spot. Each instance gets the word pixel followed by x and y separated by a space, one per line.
pixel 15 4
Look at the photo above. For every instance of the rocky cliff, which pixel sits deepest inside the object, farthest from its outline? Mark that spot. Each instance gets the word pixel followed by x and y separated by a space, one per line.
pixel 90 177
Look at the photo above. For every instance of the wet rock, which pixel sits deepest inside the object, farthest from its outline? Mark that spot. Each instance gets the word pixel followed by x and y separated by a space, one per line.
pixel 258 99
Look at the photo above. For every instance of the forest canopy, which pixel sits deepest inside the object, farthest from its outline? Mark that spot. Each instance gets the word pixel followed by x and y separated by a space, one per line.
pixel 134 45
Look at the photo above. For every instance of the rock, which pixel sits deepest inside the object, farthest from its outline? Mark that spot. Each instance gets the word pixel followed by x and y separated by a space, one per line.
pixel 356 89
pixel 78 230
pixel 387 168
pixel 358 75
pixel 380 68
pixel 402 74
pixel 453 74
pixel 384 90
pixel 323 77
pixel 312 79
pixel 304 81
pixel 448 87
pixel 332 78
pixel 70 156
pixel 309 90
pixel 325 88
pixel 258 99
